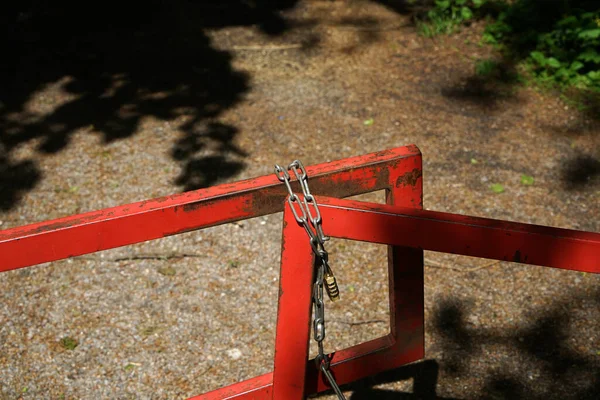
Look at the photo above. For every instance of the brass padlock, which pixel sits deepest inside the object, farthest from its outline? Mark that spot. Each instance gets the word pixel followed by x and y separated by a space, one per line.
pixel 331 286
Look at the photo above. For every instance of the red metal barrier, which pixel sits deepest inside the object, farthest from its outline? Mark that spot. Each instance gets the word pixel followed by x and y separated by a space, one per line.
pixel 398 171
pixel 401 224
pixel 294 378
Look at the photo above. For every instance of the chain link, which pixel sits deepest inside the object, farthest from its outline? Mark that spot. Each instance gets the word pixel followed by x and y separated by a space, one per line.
pixel 317 239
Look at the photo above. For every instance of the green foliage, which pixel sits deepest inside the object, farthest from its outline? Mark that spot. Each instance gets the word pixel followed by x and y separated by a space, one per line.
pixel 486 67
pixel 68 343
pixel 558 40
pixel 447 15
pixel 497 188
pixel 129 367
pixel 527 180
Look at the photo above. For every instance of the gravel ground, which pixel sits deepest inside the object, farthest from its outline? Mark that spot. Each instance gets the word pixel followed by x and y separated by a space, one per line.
pixel 112 325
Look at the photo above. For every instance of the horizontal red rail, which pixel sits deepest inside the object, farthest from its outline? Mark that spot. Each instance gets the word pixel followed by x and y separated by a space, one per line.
pixel 462 234
pixel 153 219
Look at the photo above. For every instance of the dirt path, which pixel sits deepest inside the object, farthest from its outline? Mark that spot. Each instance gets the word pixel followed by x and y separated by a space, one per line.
pixel 225 99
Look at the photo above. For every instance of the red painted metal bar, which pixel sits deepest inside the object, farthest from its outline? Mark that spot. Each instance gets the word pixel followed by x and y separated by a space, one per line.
pixel 257 388
pixel 462 234
pixel 152 219
pixel 398 171
pixel 293 377
pixel 385 224
pixel 294 312
pixel 403 345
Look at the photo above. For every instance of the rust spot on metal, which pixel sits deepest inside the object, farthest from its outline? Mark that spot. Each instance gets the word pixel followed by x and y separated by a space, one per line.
pixel 64 224
pixel 269 200
pixel 198 204
pixel 162 199
pixel 382 153
pixel 413 149
pixel 409 178
pixel 344 186
pixel 517 256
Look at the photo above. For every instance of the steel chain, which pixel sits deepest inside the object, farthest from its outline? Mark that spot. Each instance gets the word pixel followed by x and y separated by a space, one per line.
pixel 317 239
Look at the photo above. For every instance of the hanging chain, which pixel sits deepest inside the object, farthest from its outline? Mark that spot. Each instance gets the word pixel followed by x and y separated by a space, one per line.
pixel 324 274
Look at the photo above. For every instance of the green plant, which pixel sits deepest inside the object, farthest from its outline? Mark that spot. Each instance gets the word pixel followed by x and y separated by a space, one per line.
pixel 558 41
pixel 68 343
pixel 447 15
pixel 527 180
pixel 497 188
pixel 486 67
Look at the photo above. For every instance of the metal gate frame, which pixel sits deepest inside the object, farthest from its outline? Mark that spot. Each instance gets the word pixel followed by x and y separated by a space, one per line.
pixel 398 171
pixel 294 378
pixel 401 224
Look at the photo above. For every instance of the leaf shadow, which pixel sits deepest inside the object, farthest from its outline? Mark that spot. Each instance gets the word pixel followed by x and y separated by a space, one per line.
pixel 114 69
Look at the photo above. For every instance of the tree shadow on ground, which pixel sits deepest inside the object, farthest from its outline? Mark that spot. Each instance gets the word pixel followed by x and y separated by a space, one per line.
pixel 526 26
pixel 542 345
pixel 412 8
pixel 580 171
pixel 424 375
pixel 117 63
pixel 548 365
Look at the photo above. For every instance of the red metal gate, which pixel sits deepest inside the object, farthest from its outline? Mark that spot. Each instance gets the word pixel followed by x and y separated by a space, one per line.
pixel 401 224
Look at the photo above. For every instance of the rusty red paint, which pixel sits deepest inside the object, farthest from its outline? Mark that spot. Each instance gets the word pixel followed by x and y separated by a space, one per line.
pixel 405 344
pixel 258 388
pixel 410 178
pixel 152 219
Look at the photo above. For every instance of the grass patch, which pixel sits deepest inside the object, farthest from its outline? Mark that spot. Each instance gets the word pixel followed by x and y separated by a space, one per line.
pixel 68 343
pixel 497 188
pixel 486 68
pixel 447 16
